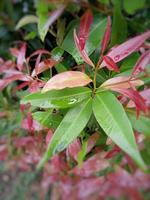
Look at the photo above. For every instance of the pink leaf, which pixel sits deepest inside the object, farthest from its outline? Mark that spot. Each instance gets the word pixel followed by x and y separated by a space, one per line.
pixel 54 16
pixel 91 166
pixel 9 79
pixel 121 82
pixel 39 51
pixel 85 24
pixel 74 148
pixel 21 56
pixel 142 62
pixel 110 64
pixel 107 34
pixel 125 49
pixel 83 53
pixel 43 66
pixel 68 79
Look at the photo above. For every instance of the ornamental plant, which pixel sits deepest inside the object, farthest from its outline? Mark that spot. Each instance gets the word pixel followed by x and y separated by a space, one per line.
pixel 75 99
pixel 83 100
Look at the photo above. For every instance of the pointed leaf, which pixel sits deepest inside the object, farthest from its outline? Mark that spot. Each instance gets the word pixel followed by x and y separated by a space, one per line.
pixel 67 79
pixel 123 50
pixel 85 24
pixel 114 121
pixel 107 34
pixel 70 127
pixel 58 98
pixel 110 64
pixel 121 82
pixel 142 62
pixel 95 36
pixel 83 53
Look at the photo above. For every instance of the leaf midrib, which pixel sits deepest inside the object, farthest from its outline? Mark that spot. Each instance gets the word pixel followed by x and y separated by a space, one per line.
pixel 113 117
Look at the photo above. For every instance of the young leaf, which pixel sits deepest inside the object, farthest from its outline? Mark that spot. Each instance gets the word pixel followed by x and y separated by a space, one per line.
pixel 142 62
pixel 58 98
pixel 123 50
pixel 85 24
pixel 69 128
pixel 112 118
pixel 95 36
pixel 106 37
pixel 69 79
pixel 83 53
pixel 110 64
pixel 121 82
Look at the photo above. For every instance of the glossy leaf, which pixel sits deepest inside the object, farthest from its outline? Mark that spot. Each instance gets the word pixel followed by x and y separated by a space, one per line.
pixel 69 79
pixel 58 98
pixel 95 36
pixel 85 24
pixel 142 124
pixel 70 127
pixel 125 49
pixel 47 119
pixel 26 20
pixel 112 118
pixel 121 82
pixel 106 37
pixel 142 63
pixel 110 64
pixel 83 53
pixel 119 25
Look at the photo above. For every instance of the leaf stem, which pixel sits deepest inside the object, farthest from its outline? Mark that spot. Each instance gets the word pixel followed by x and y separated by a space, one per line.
pixel 95 72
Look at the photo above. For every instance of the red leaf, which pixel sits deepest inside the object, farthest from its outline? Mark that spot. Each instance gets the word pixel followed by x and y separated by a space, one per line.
pixel 107 34
pixel 125 49
pixel 43 66
pixel 85 24
pixel 83 53
pixel 39 51
pixel 91 166
pixel 135 97
pixel 142 62
pixel 92 141
pixel 110 64
pixel 68 79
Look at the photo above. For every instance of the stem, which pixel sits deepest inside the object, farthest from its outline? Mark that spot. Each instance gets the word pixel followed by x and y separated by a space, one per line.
pixel 95 72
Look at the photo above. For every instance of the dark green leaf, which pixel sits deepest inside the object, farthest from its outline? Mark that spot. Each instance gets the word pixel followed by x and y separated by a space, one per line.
pixel 70 127
pixel 95 36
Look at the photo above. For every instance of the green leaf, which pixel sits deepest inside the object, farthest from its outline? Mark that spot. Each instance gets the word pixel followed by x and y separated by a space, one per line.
pixel 119 26
pixel 142 124
pixel 112 118
pixel 132 6
pixel 26 20
pixel 70 127
pixel 47 118
pixel 42 13
pixel 95 36
pixel 64 98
